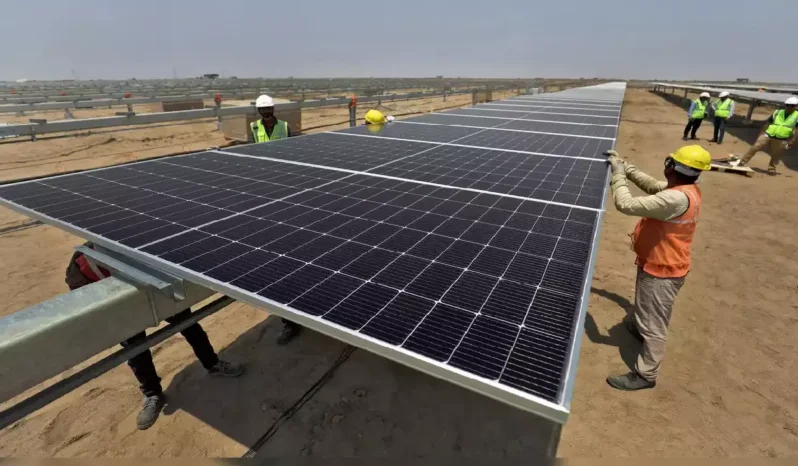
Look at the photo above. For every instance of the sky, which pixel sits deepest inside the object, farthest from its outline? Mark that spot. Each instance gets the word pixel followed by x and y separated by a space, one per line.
pixel 678 39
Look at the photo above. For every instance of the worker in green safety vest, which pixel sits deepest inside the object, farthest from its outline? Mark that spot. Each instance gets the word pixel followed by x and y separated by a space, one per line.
pixel 777 136
pixel 723 110
pixel 268 128
pixel 695 115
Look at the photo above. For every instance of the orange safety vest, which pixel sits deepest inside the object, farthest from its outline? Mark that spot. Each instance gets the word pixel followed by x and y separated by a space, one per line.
pixel 663 246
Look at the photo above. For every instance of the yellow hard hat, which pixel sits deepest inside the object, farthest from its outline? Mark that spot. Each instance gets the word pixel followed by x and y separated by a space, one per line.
pixel 693 156
pixel 375 117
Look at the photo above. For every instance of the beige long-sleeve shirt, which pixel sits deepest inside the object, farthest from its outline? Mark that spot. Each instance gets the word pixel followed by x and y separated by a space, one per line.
pixel 660 204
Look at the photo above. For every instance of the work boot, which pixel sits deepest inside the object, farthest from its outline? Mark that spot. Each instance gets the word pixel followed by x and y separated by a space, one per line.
pixel 289 332
pixel 632 328
pixel 684 138
pixel 150 411
pixel 226 369
pixel 629 382
pixel 714 140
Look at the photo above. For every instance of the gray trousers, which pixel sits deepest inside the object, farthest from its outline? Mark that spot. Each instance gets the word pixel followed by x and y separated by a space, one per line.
pixel 654 299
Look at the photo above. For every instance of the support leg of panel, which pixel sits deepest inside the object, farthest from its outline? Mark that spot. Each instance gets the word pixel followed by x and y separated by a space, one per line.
pixel 749 116
pixel 554 442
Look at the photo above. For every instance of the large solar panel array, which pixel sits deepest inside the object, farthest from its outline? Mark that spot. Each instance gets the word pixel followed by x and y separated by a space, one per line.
pixel 459 243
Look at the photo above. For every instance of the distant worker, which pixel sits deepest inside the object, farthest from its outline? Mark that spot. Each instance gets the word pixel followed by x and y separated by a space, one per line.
pixel 661 240
pixel 82 272
pixel 695 115
pixel 268 128
pixel 723 109
pixel 375 117
pixel 778 135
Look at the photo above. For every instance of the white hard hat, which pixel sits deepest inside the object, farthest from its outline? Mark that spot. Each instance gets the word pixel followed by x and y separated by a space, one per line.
pixel 704 94
pixel 724 94
pixel 792 101
pixel 264 101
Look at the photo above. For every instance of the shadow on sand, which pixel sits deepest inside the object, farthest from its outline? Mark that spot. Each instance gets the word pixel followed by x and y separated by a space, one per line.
pixel 370 406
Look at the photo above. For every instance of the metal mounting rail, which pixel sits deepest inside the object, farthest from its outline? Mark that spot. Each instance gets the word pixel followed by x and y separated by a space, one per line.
pixel 66 385
pixel 44 340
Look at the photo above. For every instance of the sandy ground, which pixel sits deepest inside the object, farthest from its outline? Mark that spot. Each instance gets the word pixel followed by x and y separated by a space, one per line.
pixel 725 389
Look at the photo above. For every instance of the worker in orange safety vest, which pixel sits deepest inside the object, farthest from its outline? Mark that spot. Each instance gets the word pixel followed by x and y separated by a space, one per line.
pixel 661 241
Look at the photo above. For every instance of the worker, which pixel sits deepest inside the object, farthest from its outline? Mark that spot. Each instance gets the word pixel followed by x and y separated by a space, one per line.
pixel 695 115
pixel 82 272
pixel 268 128
pixel 375 121
pixel 375 117
pixel 661 240
pixel 778 135
pixel 723 109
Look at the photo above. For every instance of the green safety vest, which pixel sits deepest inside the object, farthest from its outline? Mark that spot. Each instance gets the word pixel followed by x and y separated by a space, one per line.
pixel 783 126
pixel 699 111
pixel 722 108
pixel 280 131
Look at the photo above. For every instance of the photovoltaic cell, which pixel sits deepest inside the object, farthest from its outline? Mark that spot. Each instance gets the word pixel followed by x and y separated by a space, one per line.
pixel 572 109
pixel 334 151
pixel 413 132
pixel 548 116
pixel 474 257
pixel 544 143
pixel 559 179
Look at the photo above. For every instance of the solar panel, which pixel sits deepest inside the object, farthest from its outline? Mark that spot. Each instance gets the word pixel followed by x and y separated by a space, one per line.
pixel 553 108
pixel 539 127
pixel 329 150
pixel 463 251
pixel 513 115
pixel 563 102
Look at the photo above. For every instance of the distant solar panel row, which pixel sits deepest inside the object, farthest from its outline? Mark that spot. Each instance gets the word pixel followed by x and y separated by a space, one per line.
pixel 463 248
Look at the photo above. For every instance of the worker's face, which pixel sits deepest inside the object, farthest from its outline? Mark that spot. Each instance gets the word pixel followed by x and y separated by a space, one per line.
pixel 266 112
pixel 789 109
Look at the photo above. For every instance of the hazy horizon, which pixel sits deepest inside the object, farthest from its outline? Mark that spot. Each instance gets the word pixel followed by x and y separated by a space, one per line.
pixel 349 39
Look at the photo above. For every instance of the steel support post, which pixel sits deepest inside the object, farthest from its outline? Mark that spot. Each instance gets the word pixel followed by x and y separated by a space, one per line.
pixel 750 115
pixel 353 113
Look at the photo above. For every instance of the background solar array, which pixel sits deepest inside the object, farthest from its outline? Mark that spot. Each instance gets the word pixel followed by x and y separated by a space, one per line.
pixel 474 257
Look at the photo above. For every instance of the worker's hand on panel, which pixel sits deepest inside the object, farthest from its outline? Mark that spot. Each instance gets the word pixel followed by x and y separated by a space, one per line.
pixel 616 162
pixel 618 166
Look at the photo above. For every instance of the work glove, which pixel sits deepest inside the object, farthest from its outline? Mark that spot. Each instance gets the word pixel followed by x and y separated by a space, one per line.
pixel 616 162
